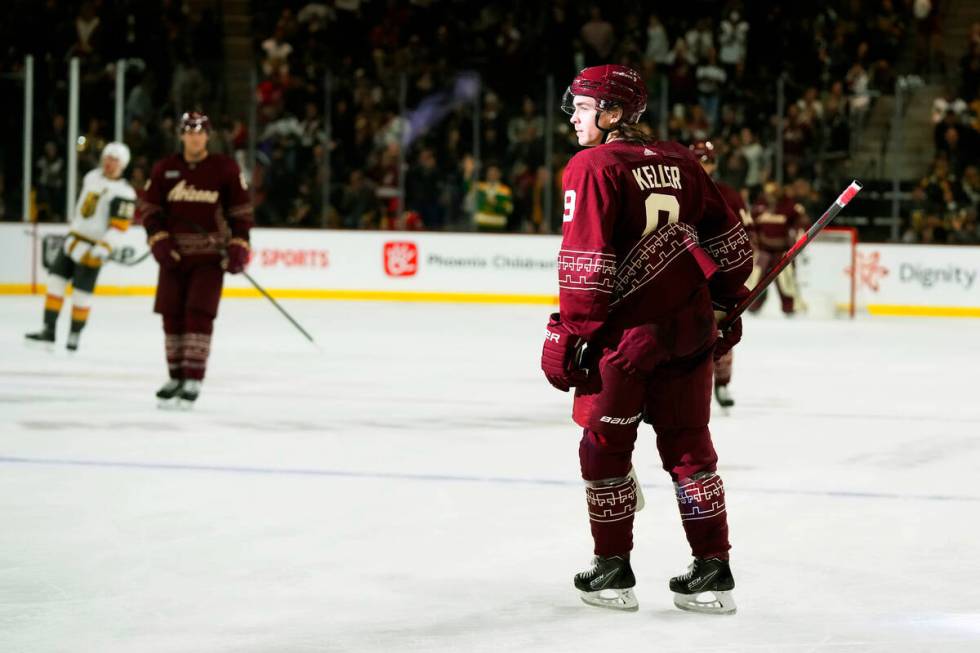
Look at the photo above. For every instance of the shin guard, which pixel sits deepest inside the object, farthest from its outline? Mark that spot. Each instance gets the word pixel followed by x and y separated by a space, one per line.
pixel 701 499
pixel 612 502
pixel 173 333
pixel 197 344
pixel 80 307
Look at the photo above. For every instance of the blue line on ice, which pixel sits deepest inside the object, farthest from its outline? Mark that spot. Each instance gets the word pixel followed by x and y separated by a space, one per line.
pixel 340 473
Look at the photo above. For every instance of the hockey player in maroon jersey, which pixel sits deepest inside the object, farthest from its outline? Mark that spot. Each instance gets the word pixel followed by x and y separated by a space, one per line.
pixel 705 152
pixel 649 248
pixel 778 219
pixel 197 214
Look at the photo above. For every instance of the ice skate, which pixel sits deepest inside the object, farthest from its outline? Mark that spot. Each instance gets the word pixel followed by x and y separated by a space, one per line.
pixel 188 394
pixel 43 338
pixel 723 396
pixel 608 584
pixel 167 393
pixel 72 344
pixel 706 587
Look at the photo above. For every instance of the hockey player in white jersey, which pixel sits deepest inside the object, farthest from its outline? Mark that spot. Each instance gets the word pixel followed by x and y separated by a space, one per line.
pixel 103 212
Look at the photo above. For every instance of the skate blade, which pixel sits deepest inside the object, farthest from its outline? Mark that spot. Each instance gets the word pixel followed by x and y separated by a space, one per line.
pixel 710 602
pixel 39 345
pixel 184 405
pixel 167 404
pixel 623 600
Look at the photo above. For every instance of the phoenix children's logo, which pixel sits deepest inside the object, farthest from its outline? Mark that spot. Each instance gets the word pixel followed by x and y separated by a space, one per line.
pixel 401 259
pixel 869 270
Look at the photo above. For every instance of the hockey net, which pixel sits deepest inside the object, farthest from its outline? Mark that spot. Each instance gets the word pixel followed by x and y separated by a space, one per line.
pixel 826 274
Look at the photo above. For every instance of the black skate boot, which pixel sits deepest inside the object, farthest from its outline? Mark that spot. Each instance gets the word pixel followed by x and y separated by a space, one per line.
pixel 72 344
pixel 44 337
pixel 608 584
pixel 168 392
pixel 705 576
pixel 723 396
pixel 188 394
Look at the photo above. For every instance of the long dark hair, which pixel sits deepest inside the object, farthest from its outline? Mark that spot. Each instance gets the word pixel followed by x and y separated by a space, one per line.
pixel 634 134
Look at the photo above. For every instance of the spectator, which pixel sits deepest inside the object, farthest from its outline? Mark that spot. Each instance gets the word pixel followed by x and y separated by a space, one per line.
pixel 970 187
pixel 950 121
pixel 423 190
pixel 950 148
pixel 796 137
pixel 948 103
pixel 858 83
pixel 493 202
pixel 733 39
pixel 836 137
pixel 86 30
pixel 277 52
pixel 963 228
pixel 701 39
pixel 139 104
pixel 811 109
pixel 136 137
pixel 598 36
pixel 51 183
pixel 683 83
pixel 658 45
pixel 711 78
pixel 755 159
pixel 525 133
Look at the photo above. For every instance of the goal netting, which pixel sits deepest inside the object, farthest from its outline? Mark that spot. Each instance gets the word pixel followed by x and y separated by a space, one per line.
pixel 825 272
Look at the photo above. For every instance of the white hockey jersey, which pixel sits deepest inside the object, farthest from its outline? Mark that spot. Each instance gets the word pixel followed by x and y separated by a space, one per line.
pixel 104 209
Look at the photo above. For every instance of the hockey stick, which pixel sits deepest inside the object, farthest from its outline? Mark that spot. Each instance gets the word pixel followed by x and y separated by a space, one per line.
pixel 853 189
pixel 276 304
pixel 223 250
pixel 136 261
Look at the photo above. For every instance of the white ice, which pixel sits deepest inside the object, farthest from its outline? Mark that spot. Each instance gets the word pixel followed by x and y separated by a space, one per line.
pixel 414 487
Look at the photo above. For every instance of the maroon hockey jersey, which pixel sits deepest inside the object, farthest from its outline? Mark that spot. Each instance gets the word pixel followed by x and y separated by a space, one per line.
pixel 777 223
pixel 644 228
pixel 201 204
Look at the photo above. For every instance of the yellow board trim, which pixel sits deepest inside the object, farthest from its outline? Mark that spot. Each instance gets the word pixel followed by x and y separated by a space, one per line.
pixel 923 311
pixel 455 298
pixel 312 293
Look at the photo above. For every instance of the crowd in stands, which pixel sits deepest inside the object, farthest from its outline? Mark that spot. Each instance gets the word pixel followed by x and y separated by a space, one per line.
pixel 173 60
pixel 712 68
pixel 946 201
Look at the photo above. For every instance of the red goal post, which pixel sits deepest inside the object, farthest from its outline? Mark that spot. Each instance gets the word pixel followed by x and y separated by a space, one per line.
pixel 829 275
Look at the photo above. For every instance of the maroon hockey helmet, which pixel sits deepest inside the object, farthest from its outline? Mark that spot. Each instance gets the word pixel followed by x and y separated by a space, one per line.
pixel 194 121
pixel 704 151
pixel 611 85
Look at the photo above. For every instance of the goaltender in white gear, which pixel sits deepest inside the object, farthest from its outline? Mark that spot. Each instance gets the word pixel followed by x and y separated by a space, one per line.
pixel 104 211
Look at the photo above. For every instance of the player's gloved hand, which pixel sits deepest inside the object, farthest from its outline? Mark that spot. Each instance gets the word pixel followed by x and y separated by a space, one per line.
pixel 164 251
pixel 100 251
pixel 732 333
pixel 728 337
pixel 74 248
pixel 238 253
pixel 557 357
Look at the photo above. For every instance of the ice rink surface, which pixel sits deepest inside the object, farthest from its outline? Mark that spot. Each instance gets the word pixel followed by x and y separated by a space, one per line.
pixel 414 486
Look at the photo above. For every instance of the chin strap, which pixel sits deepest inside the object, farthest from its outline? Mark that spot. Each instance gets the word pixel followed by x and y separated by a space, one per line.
pixel 605 132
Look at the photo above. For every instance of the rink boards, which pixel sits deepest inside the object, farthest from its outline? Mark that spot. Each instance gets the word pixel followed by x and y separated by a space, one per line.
pixel 507 268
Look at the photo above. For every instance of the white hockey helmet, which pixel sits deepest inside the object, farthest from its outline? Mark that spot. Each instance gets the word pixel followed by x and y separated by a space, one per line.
pixel 119 151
